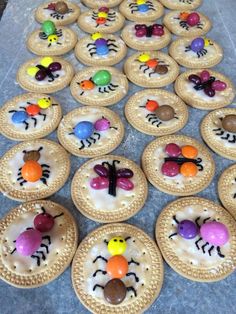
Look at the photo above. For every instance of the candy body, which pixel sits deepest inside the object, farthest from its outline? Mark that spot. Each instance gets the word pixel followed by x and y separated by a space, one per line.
pixel 165 113
pixel 197 44
pixel 215 233
pixel 48 28
pixel 193 19
pixel 28 242
pixel 114 291
pixel 43 222
pixel 61 7
pixel 117 266
pixel 229 123
pixel 170 169
pixel 32 110
pixel 19 117
pixel 84 130
pixel 31 171
pixel 102 78
pixel 143 8
pixel 187 229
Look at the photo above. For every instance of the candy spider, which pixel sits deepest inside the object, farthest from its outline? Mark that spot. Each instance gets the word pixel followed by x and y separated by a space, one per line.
pixel 152 66
pixel 101 79
pixel 101 46
pixel 53 38
pixel 85 131
pixel 30 242
pixel 60 9
pixel 188 20
pixel 212 233
pixel 198 46
pixel 141 6
pixel 46 68
pixel 32 171
pixel 102 16
pixel 116 268
pixel 228 130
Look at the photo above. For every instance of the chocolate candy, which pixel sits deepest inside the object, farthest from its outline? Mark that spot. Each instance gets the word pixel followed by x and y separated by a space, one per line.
pixel 165 113
pixel 114 291
pixel 229 123
pixel 161 69
pixel 31 155
pixel 61 7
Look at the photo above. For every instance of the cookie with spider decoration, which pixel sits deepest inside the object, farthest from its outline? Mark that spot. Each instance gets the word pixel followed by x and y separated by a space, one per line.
pixel 103 19
pixel 227 189
pixel 196 53
pixel 181 4
pixel 29 116
pixel 205 89
pixel 33 170
pixel 156 112
pixel 99 86
pixel 187 23
pixel 151 69
pixel 178 165
pixel 100 49
pixel 141 10
pixel 101 3
pixel 45 74
pixel 38 240
pixel 146 36
pixel 109 188
pixel 59 12
pixel 117 268
pixel 218 130
pixel 51 40
pixel 197 239
pixel 90 131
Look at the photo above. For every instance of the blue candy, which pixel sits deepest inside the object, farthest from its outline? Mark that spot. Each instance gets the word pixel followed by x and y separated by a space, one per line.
pixel 19 117
pixel 102 50
pixel 84 130
pixel 143 8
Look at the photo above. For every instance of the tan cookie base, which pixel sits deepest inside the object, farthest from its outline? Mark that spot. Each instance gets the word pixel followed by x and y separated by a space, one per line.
pixel 101 3
pixel 180 5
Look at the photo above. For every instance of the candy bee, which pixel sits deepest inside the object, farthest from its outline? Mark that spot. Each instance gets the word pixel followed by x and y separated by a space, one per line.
pixel 45 69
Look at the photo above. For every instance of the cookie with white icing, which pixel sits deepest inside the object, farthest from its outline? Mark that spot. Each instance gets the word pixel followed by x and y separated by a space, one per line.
pixel 51 40
pixel 99 86
pixel 187 23
pixel 33 170
pixel 29 116
pixel 151 69
pixel 227 189
pixel 147 36
pixel 38 240
pixel 141 10
pixel 178 165
pixel 103 19
pixel 196 52
pixel 197 238
pixel 205 89
pixel 156 112
pixel 109 188
pixel 107 251
pixel 90 131
pixel 60 12
pixel 218 129
pixel 101 3
pixel 100 49
pixel 181 4
pixel 45 74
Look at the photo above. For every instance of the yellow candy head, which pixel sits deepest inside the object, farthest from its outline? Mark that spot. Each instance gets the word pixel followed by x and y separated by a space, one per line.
pixel 116 246
pixel 52 38
pixel 96 36
pixel 144 57
pixel 139 2
pixel 44 103
pixel 32 71
pixel 46 61
pixel 207 42
pixel 102 14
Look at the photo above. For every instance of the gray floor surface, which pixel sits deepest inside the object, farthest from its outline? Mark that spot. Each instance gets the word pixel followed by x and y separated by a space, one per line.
pixel 178 294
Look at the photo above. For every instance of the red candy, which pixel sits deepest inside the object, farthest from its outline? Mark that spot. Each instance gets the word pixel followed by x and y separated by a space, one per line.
pixel 193 19
pixel 170 169
pixel 218 86
pixel 205 75
pixel 43 222
pixel 172 150
pixel 99 183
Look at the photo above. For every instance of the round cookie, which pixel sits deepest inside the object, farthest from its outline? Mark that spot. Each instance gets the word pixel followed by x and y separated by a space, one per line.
pixel 90 131
pixel 60 12
pixel 99 49
pixel 141 10
pixel 131 293
pixel 29 116
pixel 178 165
pixel 99 86
pixel 103 19
pixel 196 52
pixel 101 3
pixel 151 69
pixel 38 240
pixel 147 36
pixel 187 23
pixel 218 130
pixel 227 189
pixel 33 170
pixel 181 4
pixel 197 239
pixel 156 112
pixel 192 86
pixel 100 197
pixel 53 42
pixel 45 74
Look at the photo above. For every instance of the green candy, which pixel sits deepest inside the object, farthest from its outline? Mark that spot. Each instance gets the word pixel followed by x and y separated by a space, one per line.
pixel 102 78
pixel 48 28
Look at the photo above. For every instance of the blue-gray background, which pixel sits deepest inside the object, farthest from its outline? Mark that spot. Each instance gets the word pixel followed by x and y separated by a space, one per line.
pixel 178 294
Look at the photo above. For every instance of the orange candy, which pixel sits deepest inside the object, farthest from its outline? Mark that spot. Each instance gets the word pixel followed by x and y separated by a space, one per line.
pixel 33 110
pixel 31 171
pixel 189 151
pixel 101 20
pixel 152 63
pixel 188 169
pixel 86 85
pixel 152 105
pixel 117 266
pixel 183 16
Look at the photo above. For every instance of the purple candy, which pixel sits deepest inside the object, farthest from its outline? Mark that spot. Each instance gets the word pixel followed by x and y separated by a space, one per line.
pixel 28 242
pixel 197 44
pixel 187 229
pixel 170 169
pixel 172 150
pixel 103 9
pixel 209 91
pixel 214 233
pixel 205 75
pixel 102 124
pixel 218 85
pixel 54 66
pixel 100 42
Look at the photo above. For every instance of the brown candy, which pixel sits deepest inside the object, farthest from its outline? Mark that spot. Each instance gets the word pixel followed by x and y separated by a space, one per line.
pixel 161 69
pixel 115 291
pixel 165 113
pixel 31 155
pixel 61 7
pixel 229 123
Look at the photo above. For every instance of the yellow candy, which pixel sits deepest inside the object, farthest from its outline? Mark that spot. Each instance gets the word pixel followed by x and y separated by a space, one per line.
pixel 46 61
pixel 52 38
pixel 96 36
pixel 139 2
pixel 32 71
pixel 102 14
pixel 207 42
pixel 116 246
pixel 144 57
pixel 44 103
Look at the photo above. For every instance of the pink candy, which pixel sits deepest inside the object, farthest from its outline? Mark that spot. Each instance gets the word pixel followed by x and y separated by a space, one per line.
pixel 193 19
pixel 215 233
pixel 205 75
pixel 173 150
pixel 102 124
pixel 218 85
pixel 28 242
pixel 125 184
pixel 170 169
pixel 99 183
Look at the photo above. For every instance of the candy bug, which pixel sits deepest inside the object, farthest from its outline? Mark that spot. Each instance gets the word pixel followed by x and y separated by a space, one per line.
pixel 151 66
pixel 103 16
pixel 198 45
pixel 50 33
pixel 187 20
pixel 60 9
pixel 227 131
pixel 141 6
pixel 46 68
pixel 101 46
pixel 142 30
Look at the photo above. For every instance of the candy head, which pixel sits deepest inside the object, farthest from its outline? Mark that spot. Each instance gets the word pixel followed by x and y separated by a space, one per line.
pixel 102 124
pixel 183 16
pixel 44 103
pixel 52 39
pixel 31 155
pixel 151 105
pixel 96 36
pixel 117 246
pixel 216 233
pixel 144 57
pixel 43 222
pixel 197 44
pixel 187 229
pixel 28 242
pixel 84 130
pixel 86 85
